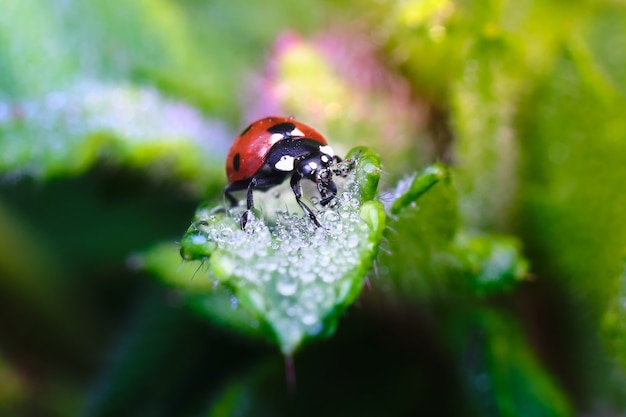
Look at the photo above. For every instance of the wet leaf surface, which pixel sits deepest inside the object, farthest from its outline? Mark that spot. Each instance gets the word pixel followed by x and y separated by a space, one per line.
pixel 296 277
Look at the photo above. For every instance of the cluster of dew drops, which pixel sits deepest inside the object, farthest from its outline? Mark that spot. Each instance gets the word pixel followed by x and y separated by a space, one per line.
pixel 296 271
pixel 402 187
pixel 65 118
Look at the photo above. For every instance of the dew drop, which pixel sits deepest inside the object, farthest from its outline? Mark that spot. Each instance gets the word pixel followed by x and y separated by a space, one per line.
pixel 352 241
pixel 245 253
pixel 309 319
pixel 307 277
pixel 198 239
pixel 286 286
pixel 226 234
pixel 325 249
pixel 331 217
pixel 292 310
pixel 344 211
pixel 328 277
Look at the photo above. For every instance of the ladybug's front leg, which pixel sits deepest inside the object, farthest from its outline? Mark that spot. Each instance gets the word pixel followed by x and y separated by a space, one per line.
pixel 297 191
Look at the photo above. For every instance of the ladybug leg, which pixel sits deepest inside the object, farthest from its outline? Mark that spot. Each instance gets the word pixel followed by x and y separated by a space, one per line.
pixel 249 204
pixel 249 200
pixel 297 191
pixel 237 186
pixel 227 193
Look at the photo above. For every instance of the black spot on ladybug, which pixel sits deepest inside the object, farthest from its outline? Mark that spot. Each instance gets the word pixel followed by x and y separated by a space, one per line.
pixel 282 128
pixel 246 130
pixel 236 161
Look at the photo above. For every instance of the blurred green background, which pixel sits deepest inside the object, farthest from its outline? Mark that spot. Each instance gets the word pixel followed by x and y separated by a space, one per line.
pixel 115 118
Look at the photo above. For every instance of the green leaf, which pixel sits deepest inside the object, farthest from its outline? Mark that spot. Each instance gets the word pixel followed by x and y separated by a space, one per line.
pixel 614 321
pixel 575 142
pixel 490 264
pixel 500 372
pixel 44 47
pixel 296 277
pixel 428 255
pixel 368 170
pixel 420 236
pixel 422 182
pixel 33 55
pixel 203 296
pixel 64 132
pixel 484 105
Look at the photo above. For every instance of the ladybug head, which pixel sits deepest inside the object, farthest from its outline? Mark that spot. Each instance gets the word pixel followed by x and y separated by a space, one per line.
pixel 317 168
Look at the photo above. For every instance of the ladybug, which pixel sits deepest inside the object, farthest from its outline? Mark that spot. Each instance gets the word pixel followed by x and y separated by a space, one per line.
pixel 270 150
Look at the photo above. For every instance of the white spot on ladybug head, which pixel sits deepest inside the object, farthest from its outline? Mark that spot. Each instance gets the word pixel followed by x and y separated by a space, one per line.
pixel 285 163
pixel 297 132
pixel 325 159
pixel 327 150
pixel 312 165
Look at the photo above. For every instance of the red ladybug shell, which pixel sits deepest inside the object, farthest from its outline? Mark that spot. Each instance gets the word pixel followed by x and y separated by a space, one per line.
pixel 249 151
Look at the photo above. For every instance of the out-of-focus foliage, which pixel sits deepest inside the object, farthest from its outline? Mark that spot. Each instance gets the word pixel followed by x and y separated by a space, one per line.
pixel 614 326
pixel 65 132
pixel 498 284
pixel 346 93
pixel 499 370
